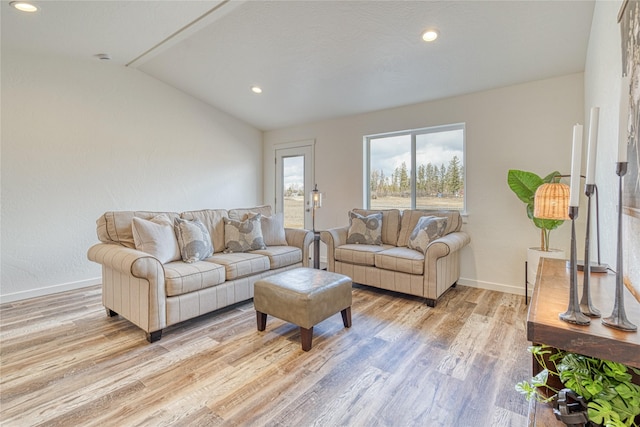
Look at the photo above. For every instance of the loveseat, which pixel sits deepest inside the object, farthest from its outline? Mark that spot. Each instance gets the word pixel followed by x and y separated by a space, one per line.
pixel 401 256
pixel 153 287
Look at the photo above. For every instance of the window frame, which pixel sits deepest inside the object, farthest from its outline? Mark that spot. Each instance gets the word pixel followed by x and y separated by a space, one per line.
pixel 413 133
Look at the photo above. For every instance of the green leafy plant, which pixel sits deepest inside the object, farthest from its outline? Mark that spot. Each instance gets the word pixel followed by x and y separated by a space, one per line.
pixel 612 399
pixel 524 185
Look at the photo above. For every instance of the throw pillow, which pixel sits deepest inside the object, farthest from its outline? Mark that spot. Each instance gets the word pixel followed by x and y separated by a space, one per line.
pixel 273 230
pixel 193 239
pixel 156 237
pixel 365 230
pixel 428 229
pixel 243 236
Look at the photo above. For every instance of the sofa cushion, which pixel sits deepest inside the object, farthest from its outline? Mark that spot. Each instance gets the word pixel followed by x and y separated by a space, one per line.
pixel 273 230
pixel 428 229
pixel 365 230
pixel 156 237
pixel 410 219
pixel 358 254
pixel 241 264
pixel 281 256
pixel 193 239
pixel 115 226
pixel 403 260
pixel 243 236
pixel 243 213
pixel 390 223
pixel 214 223
pixel 181 278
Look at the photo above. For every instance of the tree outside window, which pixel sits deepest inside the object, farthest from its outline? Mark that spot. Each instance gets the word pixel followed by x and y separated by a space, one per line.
pixel 421 169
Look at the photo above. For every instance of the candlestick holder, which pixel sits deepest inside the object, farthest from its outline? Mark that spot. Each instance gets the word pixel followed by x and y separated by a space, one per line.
pixel 596 267
pixel 573 313
pixel 586 306
pixel 618 318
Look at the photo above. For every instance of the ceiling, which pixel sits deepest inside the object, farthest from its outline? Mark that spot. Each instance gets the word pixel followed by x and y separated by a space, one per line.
pixel 314 60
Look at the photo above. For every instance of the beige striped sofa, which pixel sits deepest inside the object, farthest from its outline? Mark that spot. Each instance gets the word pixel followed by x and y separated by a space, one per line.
pixel 153 295
pixel 393 265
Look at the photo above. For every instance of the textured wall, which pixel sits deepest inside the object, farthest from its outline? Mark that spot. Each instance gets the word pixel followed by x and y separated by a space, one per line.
pixel 602 88
pixel 527 126
pixel 80 138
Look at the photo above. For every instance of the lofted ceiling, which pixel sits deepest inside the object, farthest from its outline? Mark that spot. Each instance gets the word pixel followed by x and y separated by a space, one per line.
pixel 314 59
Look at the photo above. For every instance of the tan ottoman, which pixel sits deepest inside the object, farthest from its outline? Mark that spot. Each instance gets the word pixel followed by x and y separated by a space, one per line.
pixel 304 297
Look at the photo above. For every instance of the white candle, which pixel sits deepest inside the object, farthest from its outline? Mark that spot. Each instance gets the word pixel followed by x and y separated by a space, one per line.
pixel 593 144
pixel 574 188
pixel 623 134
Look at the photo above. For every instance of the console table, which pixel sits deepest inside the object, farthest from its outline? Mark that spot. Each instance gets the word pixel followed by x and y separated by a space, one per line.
pixel 551 297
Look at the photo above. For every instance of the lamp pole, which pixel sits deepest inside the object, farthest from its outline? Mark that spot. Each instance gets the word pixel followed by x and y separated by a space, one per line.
pixel 316 202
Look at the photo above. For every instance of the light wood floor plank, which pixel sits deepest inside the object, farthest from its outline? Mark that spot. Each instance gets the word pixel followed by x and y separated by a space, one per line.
pixel 63 362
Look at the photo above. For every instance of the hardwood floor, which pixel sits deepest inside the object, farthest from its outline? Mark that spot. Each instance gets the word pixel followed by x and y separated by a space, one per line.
pixel 65 363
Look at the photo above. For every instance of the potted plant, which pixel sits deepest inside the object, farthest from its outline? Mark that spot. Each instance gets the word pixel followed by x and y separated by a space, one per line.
pixel 612 399
pixel 524 184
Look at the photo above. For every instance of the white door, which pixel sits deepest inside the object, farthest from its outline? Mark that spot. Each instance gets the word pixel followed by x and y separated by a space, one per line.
pixel 294 182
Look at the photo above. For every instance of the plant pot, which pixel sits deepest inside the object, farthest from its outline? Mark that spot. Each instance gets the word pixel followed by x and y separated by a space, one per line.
pixel 533 259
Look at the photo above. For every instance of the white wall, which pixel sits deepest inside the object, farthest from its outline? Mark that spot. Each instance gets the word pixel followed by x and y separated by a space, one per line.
pixel 527 126
pixel 81 138
pixel 602 89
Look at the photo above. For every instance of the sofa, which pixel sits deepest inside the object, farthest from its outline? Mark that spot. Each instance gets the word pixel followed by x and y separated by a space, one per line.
pixel 402 256
pixel 155 280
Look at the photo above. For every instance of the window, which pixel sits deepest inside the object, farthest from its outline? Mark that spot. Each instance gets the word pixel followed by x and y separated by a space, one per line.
pixel 416 169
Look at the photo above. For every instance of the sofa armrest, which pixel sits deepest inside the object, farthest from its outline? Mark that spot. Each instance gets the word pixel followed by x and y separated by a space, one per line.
pixel 446 244
pixel 333 238
pixel 300 238
pixel 133 284
pixel 126 260
pixel 447 248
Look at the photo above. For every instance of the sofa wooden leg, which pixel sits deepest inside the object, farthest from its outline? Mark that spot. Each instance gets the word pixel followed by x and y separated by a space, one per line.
pixel 154 336
pixel 431 302
pixel 261 319
pixel 454 284
pixel 306 336
pixel 110 312
pixel 346 317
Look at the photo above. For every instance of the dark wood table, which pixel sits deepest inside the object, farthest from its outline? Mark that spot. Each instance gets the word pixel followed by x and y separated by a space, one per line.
pixel 551 297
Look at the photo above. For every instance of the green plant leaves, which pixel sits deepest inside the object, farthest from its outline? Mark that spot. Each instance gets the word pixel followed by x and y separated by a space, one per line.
pixel 524 184
pixel 531 389
pixel 613 400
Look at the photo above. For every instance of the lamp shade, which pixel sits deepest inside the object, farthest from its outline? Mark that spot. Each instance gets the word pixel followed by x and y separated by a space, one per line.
pixel 316 198
pixel 552 201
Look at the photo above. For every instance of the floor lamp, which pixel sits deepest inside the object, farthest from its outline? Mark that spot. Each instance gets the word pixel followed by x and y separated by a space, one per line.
pixel 316 202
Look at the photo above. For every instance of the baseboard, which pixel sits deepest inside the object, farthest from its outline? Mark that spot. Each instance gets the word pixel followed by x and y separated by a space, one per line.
pixel 32 293
pixel 509 289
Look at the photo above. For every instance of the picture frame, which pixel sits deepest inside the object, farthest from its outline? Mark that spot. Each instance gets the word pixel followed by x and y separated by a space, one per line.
pixel 629 20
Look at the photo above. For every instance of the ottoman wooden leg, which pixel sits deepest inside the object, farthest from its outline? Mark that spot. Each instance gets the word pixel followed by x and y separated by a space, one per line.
pixel 261 318
pixel 306 335
pixel 346 317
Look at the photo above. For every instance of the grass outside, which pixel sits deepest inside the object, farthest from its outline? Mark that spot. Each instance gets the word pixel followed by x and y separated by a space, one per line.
pixel 294 206
pixel 396 202
pixel 294 212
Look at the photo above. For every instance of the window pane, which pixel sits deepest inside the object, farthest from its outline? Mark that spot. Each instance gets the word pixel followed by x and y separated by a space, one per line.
pixel 293 181
pixel 440 170
pixel 390 172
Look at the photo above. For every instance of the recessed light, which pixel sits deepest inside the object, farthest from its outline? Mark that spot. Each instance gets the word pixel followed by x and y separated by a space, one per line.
pixel 256 89
pixel 23 6
pixel 430 35
pixel 103 56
